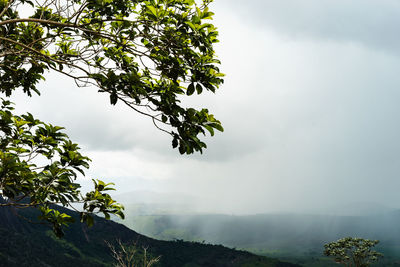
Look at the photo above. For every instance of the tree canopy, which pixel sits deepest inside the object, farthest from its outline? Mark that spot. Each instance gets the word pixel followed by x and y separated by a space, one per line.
pixel 142 53
pixel 145 54
pixel 38 166
pixel 350 251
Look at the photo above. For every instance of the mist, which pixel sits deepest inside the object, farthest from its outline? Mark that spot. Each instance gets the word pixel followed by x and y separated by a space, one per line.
pixel 309 106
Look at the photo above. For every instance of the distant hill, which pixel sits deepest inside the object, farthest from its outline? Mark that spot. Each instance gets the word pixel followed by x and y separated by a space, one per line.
pixel 27 244
pixel 359 209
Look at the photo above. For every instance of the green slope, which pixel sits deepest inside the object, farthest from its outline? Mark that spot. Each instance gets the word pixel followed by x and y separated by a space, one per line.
pixel 27 244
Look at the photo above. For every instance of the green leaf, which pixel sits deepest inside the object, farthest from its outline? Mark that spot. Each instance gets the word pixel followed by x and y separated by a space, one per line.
pixel 209 129
pixel 190 89
pixel 153 10
pixel 199 88
pixel 191 25
pixel 113 98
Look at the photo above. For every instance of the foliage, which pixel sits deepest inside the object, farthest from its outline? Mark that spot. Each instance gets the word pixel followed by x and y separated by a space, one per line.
pixel 38 167
pixel 351 251
pixel 127 256
pixel 146 54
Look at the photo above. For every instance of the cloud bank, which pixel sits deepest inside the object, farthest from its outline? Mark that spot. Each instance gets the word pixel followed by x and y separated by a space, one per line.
pixel 309 106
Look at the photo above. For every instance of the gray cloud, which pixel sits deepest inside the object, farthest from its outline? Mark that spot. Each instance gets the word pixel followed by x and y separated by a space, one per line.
pixel 371 23
pixel 89 118
pixel 309 107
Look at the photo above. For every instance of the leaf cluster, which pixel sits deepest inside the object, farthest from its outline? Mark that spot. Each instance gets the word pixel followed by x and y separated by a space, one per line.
pixel 38 168
pixel 147 54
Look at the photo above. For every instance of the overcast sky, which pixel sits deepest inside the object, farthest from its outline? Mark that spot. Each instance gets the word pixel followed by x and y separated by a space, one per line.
pixel 310 108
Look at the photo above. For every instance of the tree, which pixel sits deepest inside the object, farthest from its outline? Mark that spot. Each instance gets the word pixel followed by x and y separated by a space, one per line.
pixel 38 166
pixel 351 251
pixel 128 256
pixel 145 54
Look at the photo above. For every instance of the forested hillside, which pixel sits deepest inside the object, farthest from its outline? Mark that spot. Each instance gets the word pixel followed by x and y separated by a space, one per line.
pixel 28 244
